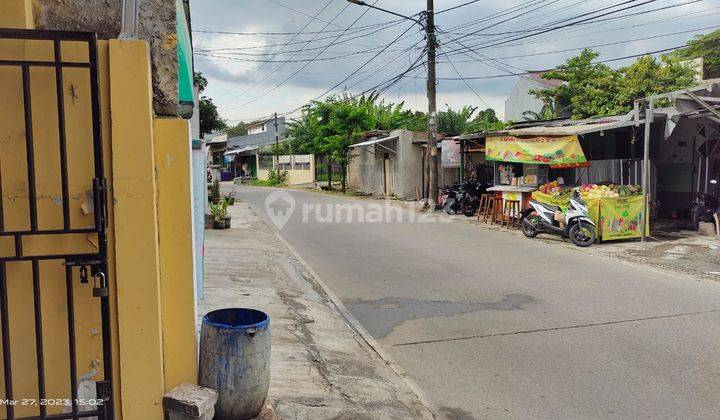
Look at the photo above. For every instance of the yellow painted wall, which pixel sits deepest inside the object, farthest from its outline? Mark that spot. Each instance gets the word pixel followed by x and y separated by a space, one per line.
pixel 172 155
pixel 136 236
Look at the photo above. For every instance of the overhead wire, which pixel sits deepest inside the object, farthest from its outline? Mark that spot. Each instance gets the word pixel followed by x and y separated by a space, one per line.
pixel 281 48
pixel 316 57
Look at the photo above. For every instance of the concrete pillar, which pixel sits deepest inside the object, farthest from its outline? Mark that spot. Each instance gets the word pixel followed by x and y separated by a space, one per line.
pixel 136 231
pixel 174 206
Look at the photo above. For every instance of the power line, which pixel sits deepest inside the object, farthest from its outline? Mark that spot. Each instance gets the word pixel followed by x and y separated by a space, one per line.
pixel 507 42
pixel 291 39
pixel 354 72
pixel 276 68
pixel 456 7
pixel 299 60
pixel 303 13
pixel 206 31
pixel 316 57
pixel 496 76
pixel 465 81
pixel 553 28
pixel 597 45
pixel 362 35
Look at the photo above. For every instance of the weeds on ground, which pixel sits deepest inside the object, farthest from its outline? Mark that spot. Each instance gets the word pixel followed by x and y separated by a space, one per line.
pixel 274 179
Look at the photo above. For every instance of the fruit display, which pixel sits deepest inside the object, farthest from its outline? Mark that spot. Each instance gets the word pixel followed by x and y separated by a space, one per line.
pixel 593 191
pixel 552 188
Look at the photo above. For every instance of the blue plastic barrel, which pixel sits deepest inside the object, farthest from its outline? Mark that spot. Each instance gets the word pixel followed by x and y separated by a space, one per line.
pixel 235 360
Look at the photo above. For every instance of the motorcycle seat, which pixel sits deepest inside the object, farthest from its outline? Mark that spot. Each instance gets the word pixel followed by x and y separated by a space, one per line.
pixel 547 206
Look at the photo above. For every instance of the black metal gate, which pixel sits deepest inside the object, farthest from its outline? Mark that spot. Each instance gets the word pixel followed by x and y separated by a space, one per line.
pixel 86 269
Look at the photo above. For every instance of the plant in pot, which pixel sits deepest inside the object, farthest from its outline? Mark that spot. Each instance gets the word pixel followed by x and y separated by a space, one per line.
pixel 230 198
pixel 215 192
pixel 220 216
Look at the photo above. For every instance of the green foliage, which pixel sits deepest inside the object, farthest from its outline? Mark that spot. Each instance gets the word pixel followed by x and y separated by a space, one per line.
pixel 209 117
pixel 239 129
pixel 452 123
pixel 595 89
pixel 331 126
pixel 219 210
pixel 706 46
pixel 200 81
pixel 274 179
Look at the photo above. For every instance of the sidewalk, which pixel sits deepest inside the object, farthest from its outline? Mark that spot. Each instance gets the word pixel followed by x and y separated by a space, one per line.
pixel 321 367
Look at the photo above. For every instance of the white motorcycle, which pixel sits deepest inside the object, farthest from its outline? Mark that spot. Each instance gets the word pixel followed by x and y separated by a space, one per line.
pixel 577 226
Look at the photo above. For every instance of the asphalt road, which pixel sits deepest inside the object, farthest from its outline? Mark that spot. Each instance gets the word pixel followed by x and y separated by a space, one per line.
pixel 494 325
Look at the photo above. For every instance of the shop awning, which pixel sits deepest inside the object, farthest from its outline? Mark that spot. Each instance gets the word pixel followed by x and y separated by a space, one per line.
pixel 544 150
pixel 238 151
pixel 376 142
pixel 571 130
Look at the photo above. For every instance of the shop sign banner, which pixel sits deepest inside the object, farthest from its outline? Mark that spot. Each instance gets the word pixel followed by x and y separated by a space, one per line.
pixel 450 155
pixel 547 150
pixel 621 218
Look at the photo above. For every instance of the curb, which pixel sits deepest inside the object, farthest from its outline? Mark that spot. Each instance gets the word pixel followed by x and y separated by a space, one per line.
pixel 350 319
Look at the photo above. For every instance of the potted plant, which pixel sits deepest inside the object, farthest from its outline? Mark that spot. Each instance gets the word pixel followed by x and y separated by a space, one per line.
pixel 230 198
pixel 219 213
pixel 215 192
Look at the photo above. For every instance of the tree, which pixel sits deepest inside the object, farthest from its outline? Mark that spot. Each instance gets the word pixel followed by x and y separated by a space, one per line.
pixel 239 129
pixel 209 117
pixel 200 81
pixel 706 46
pixel 594 89
pixel 452 123
pixel 331 126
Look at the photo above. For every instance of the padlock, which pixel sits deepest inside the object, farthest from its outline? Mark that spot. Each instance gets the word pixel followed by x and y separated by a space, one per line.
pixel 100 287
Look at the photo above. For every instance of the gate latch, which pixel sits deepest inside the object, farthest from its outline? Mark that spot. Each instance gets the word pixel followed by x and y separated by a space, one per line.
pixel 97 271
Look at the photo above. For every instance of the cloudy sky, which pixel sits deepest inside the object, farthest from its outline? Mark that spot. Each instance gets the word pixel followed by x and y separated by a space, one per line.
pixel 265 56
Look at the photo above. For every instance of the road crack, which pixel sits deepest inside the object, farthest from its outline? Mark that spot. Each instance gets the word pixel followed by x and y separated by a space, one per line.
pixel 567 327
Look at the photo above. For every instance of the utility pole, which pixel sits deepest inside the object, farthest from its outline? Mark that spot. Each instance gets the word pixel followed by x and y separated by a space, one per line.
pixel 432 107
pixel 277 147
pixel 430 184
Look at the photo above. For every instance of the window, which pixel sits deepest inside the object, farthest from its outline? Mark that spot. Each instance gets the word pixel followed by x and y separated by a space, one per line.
pixel 266 162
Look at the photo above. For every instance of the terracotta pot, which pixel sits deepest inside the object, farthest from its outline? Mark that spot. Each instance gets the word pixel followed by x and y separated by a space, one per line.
pixel 219 224
pixel 214 200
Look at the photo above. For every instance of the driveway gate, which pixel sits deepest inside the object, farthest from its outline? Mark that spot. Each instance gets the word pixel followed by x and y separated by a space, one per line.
pixel 54 179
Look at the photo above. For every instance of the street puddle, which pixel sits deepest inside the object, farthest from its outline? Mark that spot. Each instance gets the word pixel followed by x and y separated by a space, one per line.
pixel 380 317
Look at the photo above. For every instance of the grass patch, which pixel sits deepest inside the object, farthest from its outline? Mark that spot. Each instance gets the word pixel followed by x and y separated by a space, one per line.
pixel 266 183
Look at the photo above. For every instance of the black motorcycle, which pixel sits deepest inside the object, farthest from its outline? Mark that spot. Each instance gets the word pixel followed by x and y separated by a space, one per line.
pixel 452 199
pixel 703 208
pixel 471 201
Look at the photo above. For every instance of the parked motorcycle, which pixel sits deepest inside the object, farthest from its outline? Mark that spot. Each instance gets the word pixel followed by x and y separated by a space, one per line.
pixel 452 199
pixel 471 200
pixel 704 207
pixel 540 218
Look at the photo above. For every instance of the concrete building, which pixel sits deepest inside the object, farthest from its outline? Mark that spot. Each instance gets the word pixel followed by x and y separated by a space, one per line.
pixel 259 133
pixel 388 164
pixel 521 100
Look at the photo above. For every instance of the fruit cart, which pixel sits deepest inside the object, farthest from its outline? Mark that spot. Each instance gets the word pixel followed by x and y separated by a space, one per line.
pixel 617 210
